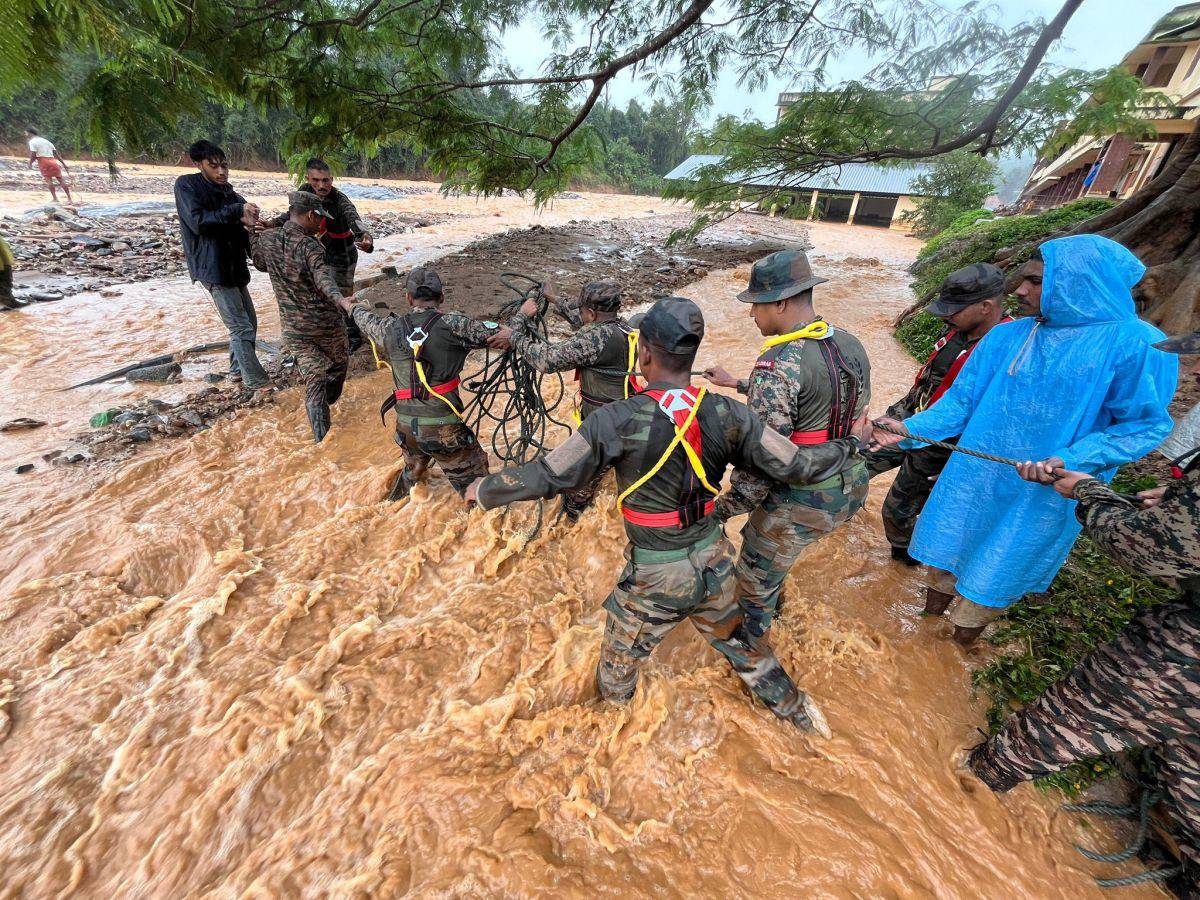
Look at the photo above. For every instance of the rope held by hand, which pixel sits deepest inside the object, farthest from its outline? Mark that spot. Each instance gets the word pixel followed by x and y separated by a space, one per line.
pixel 978 454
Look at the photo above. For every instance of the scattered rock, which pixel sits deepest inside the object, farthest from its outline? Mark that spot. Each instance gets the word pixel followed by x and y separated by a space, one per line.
pixel 191 417
pixel 155 374
pixel 23 468
pixel 214 377
pixel 21 424
pixel 52 456
pixel 128 418
pixel 140 434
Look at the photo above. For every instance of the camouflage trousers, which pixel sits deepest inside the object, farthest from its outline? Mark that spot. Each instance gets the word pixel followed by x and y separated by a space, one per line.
pixel 452 445
pixel 344 276
pixel 322 361
pixel 657 591
pixel 912 487
pixel 783 525
pixel 1142 690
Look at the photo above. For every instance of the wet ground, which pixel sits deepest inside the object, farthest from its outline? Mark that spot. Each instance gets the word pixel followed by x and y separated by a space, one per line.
pixel 226 669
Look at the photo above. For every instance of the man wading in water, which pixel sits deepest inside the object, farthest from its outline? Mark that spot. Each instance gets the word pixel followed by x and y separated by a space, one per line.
pixel 342 233
pixel 426 351
pixel 811 383
pixel 602 353
pixel 308 297
pixel 670 446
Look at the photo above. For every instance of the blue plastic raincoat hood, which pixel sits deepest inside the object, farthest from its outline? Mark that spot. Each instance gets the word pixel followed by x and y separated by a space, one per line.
pixel 1082 383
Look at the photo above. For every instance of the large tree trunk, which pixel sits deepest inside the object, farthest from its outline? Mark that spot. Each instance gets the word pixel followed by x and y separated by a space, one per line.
pixel 1161 224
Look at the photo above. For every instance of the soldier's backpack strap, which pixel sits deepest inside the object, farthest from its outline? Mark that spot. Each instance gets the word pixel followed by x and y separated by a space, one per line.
pixel 680 405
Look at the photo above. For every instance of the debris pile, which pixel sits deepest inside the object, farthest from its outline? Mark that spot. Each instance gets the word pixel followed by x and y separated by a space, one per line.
pixel 125 248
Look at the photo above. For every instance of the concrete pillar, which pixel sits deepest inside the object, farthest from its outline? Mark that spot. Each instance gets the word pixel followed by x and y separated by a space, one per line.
pixel 853 208
pixel 812 206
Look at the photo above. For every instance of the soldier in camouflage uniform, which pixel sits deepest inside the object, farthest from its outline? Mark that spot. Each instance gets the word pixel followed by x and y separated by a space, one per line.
pixel 971 302
pixel 669 446
pixel 426 351
pixel 1142 690
pixel 308 297
pixel 7 300
pixel 811 383
pixel 599 352
pixel 342 233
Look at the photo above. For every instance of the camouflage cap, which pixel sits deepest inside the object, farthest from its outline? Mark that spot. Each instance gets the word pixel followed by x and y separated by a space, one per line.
pixel 306 201
pixel 423 277
pixel 965 286
pixel 1184 344
pixel 673 323
pixel 604 296
pixel 780 276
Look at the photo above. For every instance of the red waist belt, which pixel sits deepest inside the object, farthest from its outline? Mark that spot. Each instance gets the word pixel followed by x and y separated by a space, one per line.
pixel 339 235
pixel 660 519
pixel 806 438
pixel 406 393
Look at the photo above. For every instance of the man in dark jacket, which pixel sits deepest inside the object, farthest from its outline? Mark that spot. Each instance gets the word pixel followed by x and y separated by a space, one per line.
pixel 215 245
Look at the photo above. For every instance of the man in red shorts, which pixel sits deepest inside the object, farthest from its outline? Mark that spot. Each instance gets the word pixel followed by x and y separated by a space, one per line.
pixel 49 163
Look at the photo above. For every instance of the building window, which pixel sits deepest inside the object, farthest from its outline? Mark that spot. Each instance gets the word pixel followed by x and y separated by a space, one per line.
pixel 1162 66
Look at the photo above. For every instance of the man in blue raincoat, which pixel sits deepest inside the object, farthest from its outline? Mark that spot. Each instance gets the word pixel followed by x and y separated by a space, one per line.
pixel 1074 384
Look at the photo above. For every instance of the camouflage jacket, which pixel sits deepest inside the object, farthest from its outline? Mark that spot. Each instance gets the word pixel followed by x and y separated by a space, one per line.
pixel 443 356
pixel 599 345
pixel 339 251
pixel 304 285
pixel 631 435
pixel 790 390
pixel 1161 542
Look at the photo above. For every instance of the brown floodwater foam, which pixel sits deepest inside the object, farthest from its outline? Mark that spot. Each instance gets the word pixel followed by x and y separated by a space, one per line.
pixel 227 670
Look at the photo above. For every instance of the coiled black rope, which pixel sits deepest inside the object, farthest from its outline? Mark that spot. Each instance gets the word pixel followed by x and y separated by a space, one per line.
pixel 510 394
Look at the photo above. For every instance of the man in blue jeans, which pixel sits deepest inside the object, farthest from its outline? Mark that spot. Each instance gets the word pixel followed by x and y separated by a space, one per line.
pixel 216 245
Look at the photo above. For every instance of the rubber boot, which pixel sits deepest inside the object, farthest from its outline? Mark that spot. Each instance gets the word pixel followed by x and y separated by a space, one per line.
pixel 318 418
pixel 978 763
pixel 936 602
pixel 400 487
pixel 965 637
pixel 809 718
pixel 569 510
pixel 900 555
pixel 11 302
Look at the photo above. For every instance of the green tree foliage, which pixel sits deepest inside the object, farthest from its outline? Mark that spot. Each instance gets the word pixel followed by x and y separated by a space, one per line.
pixel 430 75
pixel 958 182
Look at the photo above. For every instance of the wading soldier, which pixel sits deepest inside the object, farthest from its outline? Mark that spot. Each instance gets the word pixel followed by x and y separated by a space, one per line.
pixel 308 297
pixel 811 384
pixel 1142 690
pixel 602 353
pixel 342 232
pixel 971 303
pixel 426 350
pixel 670 445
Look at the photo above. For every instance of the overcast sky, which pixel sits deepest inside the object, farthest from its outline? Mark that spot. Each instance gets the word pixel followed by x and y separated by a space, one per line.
pixel 1098 35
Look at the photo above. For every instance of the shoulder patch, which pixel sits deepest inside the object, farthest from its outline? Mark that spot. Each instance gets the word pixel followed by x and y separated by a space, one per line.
pixel 765 364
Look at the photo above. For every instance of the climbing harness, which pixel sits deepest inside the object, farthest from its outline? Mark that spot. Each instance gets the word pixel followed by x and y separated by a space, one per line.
pixel 680 405
pixel 628 376
pixel 419 387
pixel 952 372
pixel 841 406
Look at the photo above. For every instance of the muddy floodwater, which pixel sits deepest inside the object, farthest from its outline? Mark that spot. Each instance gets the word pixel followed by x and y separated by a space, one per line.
pixel 228 670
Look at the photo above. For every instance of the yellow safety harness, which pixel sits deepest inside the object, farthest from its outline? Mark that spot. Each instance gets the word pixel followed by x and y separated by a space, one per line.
pixel 679 439
pixel 415 344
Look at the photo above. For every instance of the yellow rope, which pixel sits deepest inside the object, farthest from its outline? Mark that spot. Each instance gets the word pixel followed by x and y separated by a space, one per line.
pixel 421 374
pixel 815 330
pixel 680 433
pixel 631 361
pixel 380 363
